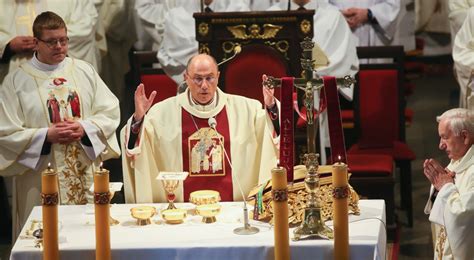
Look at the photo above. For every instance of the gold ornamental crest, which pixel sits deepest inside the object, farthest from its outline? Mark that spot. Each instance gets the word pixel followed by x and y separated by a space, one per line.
pixel 305 26
pixel 203 29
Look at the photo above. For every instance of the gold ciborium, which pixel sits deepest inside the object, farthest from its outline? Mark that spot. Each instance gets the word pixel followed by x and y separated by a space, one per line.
pixel 143 214
pixel 208 212
pixel 201 197
pixel 174 216
pixel 170 181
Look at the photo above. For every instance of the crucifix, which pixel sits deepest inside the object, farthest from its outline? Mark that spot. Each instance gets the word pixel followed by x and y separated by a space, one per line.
pixel 312 226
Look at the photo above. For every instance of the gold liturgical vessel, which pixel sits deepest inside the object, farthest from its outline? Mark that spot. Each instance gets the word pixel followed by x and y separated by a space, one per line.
pixel 313 226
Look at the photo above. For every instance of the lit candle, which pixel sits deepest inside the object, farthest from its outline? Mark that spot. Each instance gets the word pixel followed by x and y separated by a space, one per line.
pixel 102 213
pixel 49 198
pixel 280 213
pixel 340 217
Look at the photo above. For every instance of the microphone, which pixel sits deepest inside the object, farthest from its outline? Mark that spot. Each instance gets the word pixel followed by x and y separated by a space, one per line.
pixel 246 229
pixel 237 50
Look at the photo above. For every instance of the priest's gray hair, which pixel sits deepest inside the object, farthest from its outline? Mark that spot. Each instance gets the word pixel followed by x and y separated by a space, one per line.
pixel 459 119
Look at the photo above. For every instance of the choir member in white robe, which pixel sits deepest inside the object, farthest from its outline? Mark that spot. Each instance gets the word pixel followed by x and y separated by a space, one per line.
pixel 179 37
pixel 457 14
pixel 116 17
pixel 451 202
pixel 463 56
pixel 335 39
pixel 374 22
pixel 176 135
pixel 432 26
pixel 54 110
pixel 16 21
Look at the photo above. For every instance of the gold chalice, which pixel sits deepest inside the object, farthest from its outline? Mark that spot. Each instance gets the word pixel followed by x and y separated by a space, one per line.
pixel 143 214
pixel 174 216
pixel 170 181
pixel 170 186
pixel 208 212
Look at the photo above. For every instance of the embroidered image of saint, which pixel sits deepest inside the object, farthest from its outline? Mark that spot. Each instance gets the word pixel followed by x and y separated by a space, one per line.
pixel 63 101
pixel 206 154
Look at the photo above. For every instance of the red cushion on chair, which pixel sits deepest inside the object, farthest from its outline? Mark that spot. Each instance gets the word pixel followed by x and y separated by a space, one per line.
pixel 243 75
pixel 364 165
pixel 378 108
pixel 399 151
pixel 164 86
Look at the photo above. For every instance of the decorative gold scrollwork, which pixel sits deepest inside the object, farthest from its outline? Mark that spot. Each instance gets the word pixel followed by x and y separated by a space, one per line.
pixel 204 48
pixel 281 46
pixel 254 31
pixel 305 26
pixel 203 29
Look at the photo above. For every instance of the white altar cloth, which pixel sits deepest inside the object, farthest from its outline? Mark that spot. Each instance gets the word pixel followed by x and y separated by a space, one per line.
pixel 196 240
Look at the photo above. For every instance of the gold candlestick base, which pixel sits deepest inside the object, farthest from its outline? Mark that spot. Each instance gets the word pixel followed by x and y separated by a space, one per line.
pixel 313 226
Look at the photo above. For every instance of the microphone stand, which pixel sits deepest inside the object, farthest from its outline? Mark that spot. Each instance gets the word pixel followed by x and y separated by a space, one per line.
pixel 246 229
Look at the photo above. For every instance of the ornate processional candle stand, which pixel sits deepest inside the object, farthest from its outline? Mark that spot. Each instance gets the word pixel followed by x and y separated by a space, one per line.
pixel 313 226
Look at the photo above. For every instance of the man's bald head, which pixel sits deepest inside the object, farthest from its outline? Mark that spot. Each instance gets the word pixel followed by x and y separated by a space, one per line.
pixel 202 76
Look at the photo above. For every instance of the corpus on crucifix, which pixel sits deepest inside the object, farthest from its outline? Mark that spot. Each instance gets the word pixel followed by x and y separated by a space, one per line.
pixel 312 225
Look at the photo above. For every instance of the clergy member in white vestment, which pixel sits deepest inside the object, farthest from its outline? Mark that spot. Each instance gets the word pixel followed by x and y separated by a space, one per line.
pixel 451 202
pixel 381 22
pixel 177 135
pixel 335 39
pixel 458 10
pixel 463 56
pixel 16 37
pixel 55 110
pixel 179 32
pixel 116 17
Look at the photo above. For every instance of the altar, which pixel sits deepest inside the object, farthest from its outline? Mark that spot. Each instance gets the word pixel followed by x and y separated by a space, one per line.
pixel 196 240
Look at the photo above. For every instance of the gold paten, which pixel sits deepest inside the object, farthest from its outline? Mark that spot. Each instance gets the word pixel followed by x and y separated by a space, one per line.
pixel 305 26
pixel 203 29
pixel 253 31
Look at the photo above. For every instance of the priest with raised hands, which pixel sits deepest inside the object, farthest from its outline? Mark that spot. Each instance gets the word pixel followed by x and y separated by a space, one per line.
pixel 55 111
pixel 224 141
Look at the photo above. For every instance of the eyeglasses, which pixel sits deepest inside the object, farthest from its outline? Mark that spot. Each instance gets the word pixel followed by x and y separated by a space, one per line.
pixel 199 80
pixel 54 42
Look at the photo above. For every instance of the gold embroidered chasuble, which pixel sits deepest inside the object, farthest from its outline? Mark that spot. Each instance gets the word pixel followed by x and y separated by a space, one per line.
pixel 253 152
pixel 34 100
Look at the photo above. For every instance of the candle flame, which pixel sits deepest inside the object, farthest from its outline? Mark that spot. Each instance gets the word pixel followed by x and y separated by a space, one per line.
pixel 278 162
pixel 339 158
pixel 49 165
pixel 101 166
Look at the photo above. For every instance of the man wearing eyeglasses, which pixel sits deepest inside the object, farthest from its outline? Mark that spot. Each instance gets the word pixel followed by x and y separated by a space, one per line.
pixel 17 41
pixel 55 110
pixel 216 137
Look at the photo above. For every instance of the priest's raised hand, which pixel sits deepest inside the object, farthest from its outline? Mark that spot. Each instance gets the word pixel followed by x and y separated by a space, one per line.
pixel 268 94
pixel 142 103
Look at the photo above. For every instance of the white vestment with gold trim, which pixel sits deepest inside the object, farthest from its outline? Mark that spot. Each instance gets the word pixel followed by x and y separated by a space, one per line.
pixel 452 213
pixel 253 152
pixel 32 99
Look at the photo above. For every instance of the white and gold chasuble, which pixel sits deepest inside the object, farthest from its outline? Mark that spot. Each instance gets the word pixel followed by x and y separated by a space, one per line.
pixel 176 136
pixel 33 100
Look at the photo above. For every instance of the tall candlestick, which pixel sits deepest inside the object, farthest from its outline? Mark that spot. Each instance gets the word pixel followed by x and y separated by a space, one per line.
pixel 280 213
pixel 49 198
pixel 102 213
pixel 340 217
